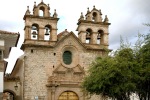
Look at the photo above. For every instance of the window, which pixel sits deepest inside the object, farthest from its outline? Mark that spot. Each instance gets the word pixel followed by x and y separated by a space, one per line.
pixel 67 57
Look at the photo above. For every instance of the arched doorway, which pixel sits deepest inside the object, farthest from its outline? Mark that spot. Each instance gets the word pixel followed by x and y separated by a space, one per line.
pixel 9 95
pixel 68 95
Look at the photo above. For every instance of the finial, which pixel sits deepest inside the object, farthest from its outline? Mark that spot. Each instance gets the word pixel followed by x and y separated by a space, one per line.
pixel 27 7
pixel 41 0
pixel 88 10
pixel 100 12
pixel 34 4
pixel 106 16
pixel 28 11
pixel 106 19
pixel 55 14
pixel 81 17
pixel 94 7
pixel 48 7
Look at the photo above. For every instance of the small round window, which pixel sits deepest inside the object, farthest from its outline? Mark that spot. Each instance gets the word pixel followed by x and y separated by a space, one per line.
pixel 67 57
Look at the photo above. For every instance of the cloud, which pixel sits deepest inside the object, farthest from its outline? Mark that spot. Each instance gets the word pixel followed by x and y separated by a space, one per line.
pixel 128 21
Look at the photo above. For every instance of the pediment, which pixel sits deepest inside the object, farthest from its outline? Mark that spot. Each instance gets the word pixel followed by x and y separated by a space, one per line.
pixel 60 69
pixel 75 70
pixel 78 69
pixel 69 39
pixel 63 75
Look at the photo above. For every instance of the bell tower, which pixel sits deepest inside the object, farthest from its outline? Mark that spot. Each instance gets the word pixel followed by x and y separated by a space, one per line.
pixel 40 26
pixel 92 29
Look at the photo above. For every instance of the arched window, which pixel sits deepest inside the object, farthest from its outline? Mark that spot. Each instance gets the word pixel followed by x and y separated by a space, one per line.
pixel 67 57
pixel 41 11
pixel 47 32
pixel 88 35
pixel 34 31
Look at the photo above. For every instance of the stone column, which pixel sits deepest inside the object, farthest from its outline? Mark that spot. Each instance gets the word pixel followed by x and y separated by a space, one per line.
pixel 93 38
pixel 82 36
pixel 49 93
pixel 27 32
pixel 53 93
pixel 104 40
pixel 53 35
pixel 41 33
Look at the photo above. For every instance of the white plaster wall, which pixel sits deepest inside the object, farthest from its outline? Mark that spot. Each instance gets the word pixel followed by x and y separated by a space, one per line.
pixel 1 81
pixel 1 42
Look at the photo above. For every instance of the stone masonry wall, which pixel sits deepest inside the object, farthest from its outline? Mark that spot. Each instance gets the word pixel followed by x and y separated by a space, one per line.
pixel 40 63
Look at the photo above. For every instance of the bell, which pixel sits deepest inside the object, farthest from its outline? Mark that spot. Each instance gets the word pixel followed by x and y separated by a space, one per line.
pixel 88 35
pixel 99 36
pixel 46 33
pixel 34 34
pixel 34 28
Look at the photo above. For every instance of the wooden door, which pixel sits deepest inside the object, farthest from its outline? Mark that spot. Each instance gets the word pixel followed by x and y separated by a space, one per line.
pixel 68 95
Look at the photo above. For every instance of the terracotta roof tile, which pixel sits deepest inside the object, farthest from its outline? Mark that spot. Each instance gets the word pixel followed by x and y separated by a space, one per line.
pixel 6 32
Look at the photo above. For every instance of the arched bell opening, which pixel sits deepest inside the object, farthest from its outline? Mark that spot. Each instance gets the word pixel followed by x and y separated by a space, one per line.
pixel 88 35
pixel 34 31
pixel 41 11
pixel 94 16
pixel 100 34
pixel 47 32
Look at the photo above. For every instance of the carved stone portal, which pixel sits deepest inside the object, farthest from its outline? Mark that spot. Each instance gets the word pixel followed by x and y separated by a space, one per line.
pixel 64 77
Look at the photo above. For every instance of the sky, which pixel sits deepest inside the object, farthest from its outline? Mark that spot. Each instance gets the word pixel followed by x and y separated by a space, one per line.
pixel 126 17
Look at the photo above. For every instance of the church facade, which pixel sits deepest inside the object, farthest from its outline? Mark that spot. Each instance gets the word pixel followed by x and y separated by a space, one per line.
pixel 54 64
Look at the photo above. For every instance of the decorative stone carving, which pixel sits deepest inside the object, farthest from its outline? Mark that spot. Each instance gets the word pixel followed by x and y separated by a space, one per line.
pixel 63 75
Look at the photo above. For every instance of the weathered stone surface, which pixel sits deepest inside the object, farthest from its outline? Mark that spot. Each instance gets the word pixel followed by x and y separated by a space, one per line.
pixel 43 73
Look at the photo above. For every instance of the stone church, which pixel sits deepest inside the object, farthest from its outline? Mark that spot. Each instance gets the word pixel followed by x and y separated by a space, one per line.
pixel 54 64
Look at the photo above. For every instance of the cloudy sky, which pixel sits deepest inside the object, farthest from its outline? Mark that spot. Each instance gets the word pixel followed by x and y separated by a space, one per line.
pixel 126 17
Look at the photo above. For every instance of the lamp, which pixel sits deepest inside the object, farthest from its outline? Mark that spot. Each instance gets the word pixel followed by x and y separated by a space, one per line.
pixel 16 86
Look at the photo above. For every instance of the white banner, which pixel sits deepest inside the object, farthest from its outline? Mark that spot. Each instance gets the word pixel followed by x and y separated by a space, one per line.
pixel 1 81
